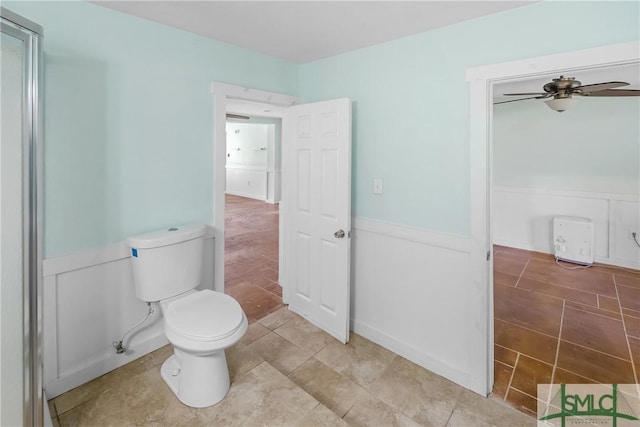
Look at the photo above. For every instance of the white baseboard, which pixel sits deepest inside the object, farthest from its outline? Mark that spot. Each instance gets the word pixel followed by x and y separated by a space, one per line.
pixel 599 259
pixel 247 195
pixel 410 352
pixel 412 293
pixel 108 364
pixel 48 422
pixel 523 218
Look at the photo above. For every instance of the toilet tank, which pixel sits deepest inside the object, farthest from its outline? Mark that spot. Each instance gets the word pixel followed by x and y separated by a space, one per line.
pixel 167 262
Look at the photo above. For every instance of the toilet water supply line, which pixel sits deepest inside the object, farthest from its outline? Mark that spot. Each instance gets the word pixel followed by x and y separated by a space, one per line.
pixel 120 348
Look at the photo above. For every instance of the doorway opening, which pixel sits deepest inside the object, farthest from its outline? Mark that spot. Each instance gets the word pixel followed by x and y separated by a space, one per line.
pixel 252 196
pixel 241 102
pixel 553 319
pixel 483 80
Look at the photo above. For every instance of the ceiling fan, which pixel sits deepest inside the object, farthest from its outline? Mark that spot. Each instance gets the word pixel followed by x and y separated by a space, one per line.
pixel 562 90
pixel 237 116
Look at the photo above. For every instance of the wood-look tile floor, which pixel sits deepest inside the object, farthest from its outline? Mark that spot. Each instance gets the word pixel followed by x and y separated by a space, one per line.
pixel 251 255
pixel 555 325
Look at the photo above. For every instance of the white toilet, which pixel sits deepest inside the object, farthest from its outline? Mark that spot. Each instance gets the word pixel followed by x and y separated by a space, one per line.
pixel 167 267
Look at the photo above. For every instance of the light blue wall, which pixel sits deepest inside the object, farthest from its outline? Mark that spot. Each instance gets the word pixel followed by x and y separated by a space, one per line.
pixel 592 147
pixel 411 101
pixel 128 112
pixel 128 121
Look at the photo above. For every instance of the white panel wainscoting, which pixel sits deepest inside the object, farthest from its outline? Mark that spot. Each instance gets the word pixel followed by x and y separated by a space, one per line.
pixel 247 181
pixel 410 293
pixel 88 303
pixel 523 218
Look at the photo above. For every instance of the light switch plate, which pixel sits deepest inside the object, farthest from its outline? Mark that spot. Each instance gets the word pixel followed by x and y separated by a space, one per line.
pixel 377 186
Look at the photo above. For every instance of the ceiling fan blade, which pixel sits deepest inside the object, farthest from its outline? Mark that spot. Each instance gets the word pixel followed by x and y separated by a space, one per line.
pixel 521 99
pixel 237 116
pixel 614 92
pixel 526 94
pixel 597 87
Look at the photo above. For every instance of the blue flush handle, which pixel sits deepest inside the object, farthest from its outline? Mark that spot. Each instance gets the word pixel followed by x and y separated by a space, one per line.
pixel 134 252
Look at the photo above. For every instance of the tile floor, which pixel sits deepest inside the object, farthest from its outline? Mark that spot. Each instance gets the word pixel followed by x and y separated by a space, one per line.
pixel 286 372
pixel 251 255
pixel 554 325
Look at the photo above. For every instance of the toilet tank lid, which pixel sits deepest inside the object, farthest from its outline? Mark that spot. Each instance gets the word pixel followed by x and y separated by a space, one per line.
pixel 167 236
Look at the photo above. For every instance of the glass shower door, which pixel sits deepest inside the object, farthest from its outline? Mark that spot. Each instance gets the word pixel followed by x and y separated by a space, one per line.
pixel 11 248
pixel 20 388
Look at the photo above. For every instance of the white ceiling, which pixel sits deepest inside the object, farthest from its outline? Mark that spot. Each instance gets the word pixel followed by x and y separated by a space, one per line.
pixel 304 31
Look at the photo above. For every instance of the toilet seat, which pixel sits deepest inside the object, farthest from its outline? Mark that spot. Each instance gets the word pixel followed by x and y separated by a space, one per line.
pixel 204 320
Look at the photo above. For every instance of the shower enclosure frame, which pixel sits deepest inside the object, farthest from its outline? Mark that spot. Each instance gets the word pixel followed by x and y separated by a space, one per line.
pixel 32 139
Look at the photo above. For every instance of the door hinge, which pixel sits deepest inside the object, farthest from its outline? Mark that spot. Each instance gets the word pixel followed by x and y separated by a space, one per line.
pixel 488 255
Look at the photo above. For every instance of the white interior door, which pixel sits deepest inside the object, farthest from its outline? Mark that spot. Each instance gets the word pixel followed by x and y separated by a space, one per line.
pixel 317 212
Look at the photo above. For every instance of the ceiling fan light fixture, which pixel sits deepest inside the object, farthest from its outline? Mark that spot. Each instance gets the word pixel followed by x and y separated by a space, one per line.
pixel 560 104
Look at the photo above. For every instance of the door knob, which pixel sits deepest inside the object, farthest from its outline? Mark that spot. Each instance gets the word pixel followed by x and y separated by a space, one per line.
pixel 339 234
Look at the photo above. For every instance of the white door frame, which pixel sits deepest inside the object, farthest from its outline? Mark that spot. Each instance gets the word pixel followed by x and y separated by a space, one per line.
pixel 221 92
pixel 482 79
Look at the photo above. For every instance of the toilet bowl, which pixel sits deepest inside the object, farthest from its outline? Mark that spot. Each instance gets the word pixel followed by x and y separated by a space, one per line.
pixel 200 326
pixel 167 267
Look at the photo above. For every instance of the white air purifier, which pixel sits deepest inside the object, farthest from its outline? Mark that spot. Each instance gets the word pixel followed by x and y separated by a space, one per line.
pixel 573 239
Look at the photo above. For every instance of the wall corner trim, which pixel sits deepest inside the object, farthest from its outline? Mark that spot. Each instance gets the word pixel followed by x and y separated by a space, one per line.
pixel 83 259
pixel 413 234
pixel 250 94
pixel 92 257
